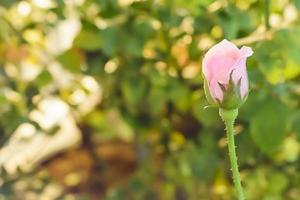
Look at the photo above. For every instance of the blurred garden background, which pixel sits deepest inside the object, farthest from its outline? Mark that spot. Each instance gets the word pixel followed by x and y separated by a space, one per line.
pixel 104 100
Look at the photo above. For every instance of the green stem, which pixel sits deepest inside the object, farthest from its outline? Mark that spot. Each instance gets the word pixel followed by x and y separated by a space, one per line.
pixel 229 117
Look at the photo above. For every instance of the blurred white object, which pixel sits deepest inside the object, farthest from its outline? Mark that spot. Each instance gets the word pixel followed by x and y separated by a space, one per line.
pixel 50 112
pixel 61 37
pixel 28 146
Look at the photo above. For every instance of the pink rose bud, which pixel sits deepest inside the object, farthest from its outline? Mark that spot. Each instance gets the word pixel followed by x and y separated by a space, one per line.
pixel 224 68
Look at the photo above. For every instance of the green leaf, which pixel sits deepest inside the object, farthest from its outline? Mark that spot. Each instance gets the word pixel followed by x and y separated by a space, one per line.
pixel 296 124
pixel 297 4
pixel 193 6
pixel 111 40
pixel 199 155
pixel 134 90
pixel 88 40
pixel 157 100
pixel 180 95
pixel 70 60
pixel 277 183
pixel 109 8
pixel 269 125
pixel 43 79
pixel 8 3
pixel 208 116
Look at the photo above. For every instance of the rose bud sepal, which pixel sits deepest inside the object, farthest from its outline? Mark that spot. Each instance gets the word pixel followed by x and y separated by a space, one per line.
pixel 232 98
pixel 208 96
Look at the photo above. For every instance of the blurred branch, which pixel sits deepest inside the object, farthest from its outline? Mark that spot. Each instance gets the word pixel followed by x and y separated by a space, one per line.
pixel 213 7
pixel 10 26
pixel 260 34
pixel 267 14
pixel 90 146
pixel 256 36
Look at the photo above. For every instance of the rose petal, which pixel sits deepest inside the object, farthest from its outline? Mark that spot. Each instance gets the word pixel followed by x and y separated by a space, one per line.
pixel 246 51
pixel 222 50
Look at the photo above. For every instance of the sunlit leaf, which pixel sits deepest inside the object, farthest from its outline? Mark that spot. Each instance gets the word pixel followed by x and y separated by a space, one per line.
pixel 71 60
pixel 88 40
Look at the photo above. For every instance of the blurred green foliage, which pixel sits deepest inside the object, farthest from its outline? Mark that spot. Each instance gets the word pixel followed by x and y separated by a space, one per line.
pixel 146 57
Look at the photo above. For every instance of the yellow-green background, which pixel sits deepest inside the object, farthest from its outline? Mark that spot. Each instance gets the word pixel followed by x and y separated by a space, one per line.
pixel 146 58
